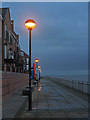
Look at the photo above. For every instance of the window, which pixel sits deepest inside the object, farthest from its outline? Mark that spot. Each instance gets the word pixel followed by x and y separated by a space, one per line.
pixel 23 59
pixel 22 54
pixel 24 67
pixel 12 56
pixel 27 61
pixel 5 54
pixel 9 54
pixel 5 31
pixel 27 67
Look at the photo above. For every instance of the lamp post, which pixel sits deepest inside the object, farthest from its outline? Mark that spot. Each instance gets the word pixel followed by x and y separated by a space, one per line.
pixel 36 61
pixel 39 72
pixel 30 24
pixel 37 76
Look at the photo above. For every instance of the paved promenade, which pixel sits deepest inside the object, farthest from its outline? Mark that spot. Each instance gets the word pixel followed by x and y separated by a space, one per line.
pixel 13 105
pixel 51 100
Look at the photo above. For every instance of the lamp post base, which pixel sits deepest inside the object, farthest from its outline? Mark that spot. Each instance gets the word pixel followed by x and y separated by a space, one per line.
pixel 30 99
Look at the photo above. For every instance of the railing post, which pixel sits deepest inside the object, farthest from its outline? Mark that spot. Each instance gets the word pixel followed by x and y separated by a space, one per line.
pixel 78 85
pixel 82 85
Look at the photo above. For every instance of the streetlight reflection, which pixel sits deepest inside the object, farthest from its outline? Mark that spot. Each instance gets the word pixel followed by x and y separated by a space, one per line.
pixel 39 88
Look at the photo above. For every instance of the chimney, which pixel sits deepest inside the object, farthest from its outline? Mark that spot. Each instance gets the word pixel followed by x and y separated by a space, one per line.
pixel 12 24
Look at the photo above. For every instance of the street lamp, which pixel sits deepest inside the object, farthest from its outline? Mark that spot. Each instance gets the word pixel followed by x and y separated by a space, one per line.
pixel 36 61
pixel 30 24
pixel 38 67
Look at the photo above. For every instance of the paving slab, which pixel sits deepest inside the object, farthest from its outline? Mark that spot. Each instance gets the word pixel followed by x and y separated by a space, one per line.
pixel 13 105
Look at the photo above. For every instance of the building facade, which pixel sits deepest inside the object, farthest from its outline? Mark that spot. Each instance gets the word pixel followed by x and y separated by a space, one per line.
pixel 12 59
pixel 25 59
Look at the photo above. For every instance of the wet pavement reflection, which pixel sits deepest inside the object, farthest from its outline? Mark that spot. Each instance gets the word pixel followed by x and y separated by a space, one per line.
pixel 49 97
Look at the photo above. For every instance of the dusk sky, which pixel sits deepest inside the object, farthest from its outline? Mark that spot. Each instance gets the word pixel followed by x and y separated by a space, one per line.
pixel 60 38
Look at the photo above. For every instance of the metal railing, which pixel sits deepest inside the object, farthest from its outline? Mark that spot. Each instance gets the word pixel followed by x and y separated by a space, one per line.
pixel 81 86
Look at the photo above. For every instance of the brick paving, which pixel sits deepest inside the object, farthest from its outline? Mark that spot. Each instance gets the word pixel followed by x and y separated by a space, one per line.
pixel 54 101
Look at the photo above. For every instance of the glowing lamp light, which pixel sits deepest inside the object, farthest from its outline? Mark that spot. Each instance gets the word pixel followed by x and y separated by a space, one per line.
pixel 40 70
pixel 36 60
pixel 30 24
pixel 39 89
pixel 39 67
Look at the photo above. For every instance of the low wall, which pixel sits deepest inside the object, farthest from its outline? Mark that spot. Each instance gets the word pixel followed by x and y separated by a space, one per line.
pixel 11 82
pixel 81 86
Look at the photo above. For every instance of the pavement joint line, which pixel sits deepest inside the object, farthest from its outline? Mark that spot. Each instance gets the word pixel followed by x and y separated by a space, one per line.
pixel 68 101
pixel 49 110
